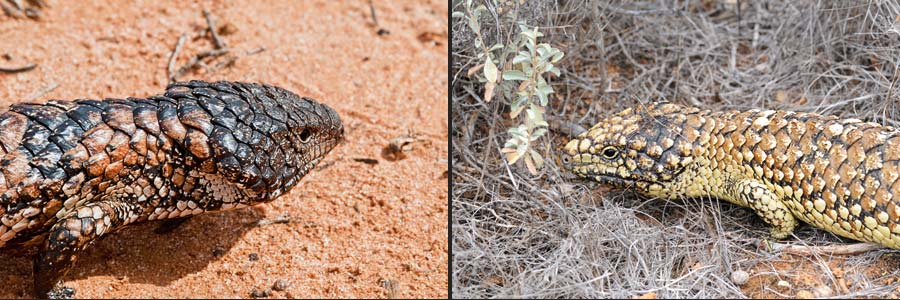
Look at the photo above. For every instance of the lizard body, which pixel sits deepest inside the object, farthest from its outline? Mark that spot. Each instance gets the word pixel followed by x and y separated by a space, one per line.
pixel 840 175
pixel 73 171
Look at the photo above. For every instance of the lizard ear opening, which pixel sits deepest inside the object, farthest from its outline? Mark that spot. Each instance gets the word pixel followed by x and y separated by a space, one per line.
pixel 304 135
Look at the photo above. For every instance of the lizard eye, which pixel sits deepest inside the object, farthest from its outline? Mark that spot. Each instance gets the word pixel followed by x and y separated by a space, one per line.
pixel 304 135
pixel 610 152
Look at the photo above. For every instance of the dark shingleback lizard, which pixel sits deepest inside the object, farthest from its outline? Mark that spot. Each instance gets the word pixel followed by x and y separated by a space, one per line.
pixel 72 171
pixel 840 175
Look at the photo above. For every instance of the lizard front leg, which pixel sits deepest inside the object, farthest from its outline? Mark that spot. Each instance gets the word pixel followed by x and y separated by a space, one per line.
pixel 768 206
pixel 69 236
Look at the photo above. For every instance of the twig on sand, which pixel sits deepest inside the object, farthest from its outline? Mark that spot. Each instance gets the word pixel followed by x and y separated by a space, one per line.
pixel 16 8
pixel 228 62
pixel 255 51
pixel 381 31
pixel 211 24
pixel 10 11
pixel 43 92
pixel 174 55
pixel 197 61
pixel 18 3
pixel 283 219
pixel 372 9
pixel 18 69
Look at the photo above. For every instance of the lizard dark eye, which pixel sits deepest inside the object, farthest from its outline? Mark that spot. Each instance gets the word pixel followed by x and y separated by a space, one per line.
pixel 304 135
pixel 610 152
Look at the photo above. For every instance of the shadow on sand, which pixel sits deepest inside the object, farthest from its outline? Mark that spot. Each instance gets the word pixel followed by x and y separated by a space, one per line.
pixel 137 254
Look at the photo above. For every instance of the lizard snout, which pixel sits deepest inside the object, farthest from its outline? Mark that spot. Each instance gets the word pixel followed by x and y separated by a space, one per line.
pixel 566 158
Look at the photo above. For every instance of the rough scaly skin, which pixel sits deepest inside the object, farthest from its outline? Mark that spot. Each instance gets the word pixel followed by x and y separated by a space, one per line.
pixel 73 171
pixel 840 175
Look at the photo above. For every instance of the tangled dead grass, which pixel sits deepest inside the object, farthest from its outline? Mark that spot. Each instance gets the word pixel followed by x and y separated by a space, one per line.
pixel 517 235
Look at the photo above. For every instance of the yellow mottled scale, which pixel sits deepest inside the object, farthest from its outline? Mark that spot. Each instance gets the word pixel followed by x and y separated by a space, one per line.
pixel 840 175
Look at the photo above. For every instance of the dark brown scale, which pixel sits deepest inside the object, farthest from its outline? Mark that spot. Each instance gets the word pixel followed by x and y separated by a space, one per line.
pixel 72 171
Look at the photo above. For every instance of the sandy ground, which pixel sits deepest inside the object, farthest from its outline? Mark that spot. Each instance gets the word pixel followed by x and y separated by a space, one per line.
pixel 357 229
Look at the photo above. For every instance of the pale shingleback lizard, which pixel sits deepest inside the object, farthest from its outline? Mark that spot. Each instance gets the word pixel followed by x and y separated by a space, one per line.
pixel 840 175
pixel 72 171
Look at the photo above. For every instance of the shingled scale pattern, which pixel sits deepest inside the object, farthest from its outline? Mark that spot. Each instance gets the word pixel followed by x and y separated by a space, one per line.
pixel 72 171
pixel 840 175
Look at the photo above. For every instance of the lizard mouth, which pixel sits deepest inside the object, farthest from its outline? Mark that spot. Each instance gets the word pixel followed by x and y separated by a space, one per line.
pixel 614 180
pixel 618 181
pixel 584 171
pixel 590 171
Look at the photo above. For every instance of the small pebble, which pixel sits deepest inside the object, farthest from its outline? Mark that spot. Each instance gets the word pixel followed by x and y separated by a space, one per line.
pixel 255 293
pixel 280 285
pixel 783 284
pixel 823 291
pixel 254 257
pixel 740 277
pixel 218 252
pixel 32 13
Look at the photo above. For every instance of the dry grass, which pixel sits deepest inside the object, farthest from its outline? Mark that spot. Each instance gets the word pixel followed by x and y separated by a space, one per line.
pixel 517 235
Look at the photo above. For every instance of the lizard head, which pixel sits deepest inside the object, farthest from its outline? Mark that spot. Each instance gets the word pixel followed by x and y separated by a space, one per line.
pixel 645 147
pixel 316 131
pixel 262 139
pixel 297 141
